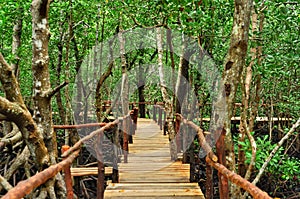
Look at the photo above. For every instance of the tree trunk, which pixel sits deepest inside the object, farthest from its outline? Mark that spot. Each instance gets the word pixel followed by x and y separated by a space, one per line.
pixel 13 109
pixel 42 92
pixel 167 100
pixel 124 89
pixel 183 74
pixel 16 45
pixel 141 88
pixel 40 62
pixel 234 63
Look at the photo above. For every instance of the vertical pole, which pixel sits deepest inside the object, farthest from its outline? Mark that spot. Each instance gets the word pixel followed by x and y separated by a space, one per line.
pixel 101 175
pixel 209 182
pixel 68 177
pixel 165 117
pixel 115 174
pixel 135 117
pixel 154 113
pixel 160 117
pixel 130 128
pixel 185 144
pixel 191 156
pixel 125 139
pixel 177 131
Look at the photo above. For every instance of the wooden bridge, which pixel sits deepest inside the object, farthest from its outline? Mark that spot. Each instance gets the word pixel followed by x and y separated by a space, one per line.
pixel 149 172
pixel 146 170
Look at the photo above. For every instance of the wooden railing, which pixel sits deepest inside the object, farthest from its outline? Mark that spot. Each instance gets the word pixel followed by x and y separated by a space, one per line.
pixel 211 158
pixel 128 126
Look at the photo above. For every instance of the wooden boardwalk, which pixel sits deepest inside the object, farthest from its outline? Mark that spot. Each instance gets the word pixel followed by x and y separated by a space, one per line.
pixel 149 172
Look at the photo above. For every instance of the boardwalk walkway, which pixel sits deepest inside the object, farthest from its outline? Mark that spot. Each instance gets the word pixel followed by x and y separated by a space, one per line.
pixel 149 172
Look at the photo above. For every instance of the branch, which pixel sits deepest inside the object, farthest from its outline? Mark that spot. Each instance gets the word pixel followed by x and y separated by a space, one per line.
pixel 9 82
pixel 2 117
pixel 4 63
pixel 9 109
pixel 148 27
pixel 5 184
pixel 18 163
pixel 262 169
pixel 49 94
pixel 26 186
pixel 12 140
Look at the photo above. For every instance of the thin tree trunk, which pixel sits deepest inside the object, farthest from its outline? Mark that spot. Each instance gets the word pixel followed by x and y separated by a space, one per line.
pixel 171 49
pixel 141 88
pixel 124 89
pixel 273 152
pixel 98 97
pixel 68 112
pixel 245 86
pixel 167 100
pixel 234 63
pixel 58 96
pixel 101 81
pixel 16 45
pixel 183 74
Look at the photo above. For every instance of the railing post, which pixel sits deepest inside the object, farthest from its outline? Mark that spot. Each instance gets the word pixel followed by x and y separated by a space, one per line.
pixel 125 139
pixel 130 130
pixel 154 113
pixel 165 117
pixel 191 154
pixel 135 117
pixel 101 174
pixel 68 177
pixel 185 144
pixel 177 131
pixel 160 117
pixel 115 173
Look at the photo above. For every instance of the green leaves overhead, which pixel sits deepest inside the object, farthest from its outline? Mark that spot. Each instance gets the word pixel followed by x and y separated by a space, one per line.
pixel 206 20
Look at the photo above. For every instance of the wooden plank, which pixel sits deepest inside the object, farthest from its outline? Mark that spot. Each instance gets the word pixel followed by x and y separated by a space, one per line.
pixel 153 190
pixel 85 171
pixel 147 186
pixel 257 119
pixel 162 192
pixel 150 173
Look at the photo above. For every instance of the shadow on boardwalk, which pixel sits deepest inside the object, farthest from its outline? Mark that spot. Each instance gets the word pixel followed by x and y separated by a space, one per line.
pixel 149 172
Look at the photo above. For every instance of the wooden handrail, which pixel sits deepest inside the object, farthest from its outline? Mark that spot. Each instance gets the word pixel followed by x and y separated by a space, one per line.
pixel 200 133
pixel 79 126
pixel 78 144
pixel 25 187
pixel 69 154
pixel 256 192
pixel 212 159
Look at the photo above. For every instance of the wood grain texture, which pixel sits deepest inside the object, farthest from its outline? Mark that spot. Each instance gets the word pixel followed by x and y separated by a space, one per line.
pixel 150 173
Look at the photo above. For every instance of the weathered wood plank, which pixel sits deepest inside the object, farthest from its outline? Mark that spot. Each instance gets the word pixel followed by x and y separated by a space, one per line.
pixel 150 173
pixel 89 171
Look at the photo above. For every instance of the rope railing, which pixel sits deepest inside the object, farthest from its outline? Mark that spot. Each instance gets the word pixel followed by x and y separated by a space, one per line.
pixel 69 154
pixel 212 159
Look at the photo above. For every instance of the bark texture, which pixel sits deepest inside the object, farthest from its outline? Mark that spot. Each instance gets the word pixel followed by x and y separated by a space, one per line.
pixel 166 98
pixel 13 109
pixel 234 63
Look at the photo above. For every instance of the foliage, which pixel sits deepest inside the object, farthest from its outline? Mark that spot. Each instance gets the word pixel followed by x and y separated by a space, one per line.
pixel 204 21
pixel 281 165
